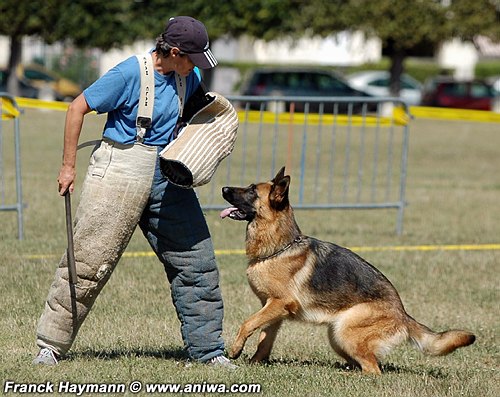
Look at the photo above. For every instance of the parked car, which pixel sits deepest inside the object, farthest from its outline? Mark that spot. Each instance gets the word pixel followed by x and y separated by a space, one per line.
pixel 40 77
pixel 302 82
pixel 495 83
pixel 447 92
pixel 376 83
pixel 26 90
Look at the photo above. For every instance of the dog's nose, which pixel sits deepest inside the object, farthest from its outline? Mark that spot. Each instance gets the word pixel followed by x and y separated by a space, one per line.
pixel 225 189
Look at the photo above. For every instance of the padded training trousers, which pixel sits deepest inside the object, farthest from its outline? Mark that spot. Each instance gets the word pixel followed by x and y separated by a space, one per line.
pixel 123 188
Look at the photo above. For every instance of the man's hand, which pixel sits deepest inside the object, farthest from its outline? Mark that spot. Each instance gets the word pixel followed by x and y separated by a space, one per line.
pixel 66 179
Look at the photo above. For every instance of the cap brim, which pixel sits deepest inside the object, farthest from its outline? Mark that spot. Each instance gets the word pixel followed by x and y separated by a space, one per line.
pixel 204 60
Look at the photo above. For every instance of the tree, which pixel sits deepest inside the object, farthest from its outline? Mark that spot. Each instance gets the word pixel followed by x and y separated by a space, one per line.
pixel 264 19
pixel 403 25
pixel 86 23
pixel 19 18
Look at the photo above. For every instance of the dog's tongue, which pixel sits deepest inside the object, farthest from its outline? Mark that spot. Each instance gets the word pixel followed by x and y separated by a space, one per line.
pixel 227 211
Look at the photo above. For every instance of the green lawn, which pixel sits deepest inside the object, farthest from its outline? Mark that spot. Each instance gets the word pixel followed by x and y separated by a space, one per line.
pixel 133 334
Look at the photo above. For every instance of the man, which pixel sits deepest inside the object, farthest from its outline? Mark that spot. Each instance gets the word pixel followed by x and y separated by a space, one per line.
pixel 124 188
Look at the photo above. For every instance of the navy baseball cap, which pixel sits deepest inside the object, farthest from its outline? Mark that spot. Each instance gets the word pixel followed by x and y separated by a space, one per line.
pixel 191 37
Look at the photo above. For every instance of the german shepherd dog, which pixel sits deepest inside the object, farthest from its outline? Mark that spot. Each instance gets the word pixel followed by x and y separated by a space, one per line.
pixel 302 278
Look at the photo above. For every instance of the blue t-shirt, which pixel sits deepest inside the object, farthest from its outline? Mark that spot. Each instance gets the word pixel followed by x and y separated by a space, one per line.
pixel 117 93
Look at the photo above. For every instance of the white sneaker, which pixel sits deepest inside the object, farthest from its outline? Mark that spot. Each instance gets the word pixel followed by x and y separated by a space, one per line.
pixel 45 357
pixel 223 362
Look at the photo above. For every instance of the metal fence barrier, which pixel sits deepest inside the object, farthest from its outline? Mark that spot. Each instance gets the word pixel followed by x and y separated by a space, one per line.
pixel 10 176
pixel 342 153
pixel 347 153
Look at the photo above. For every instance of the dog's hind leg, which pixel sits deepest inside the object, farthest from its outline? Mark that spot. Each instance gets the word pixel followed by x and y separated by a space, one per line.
pixel 266 342
pixel 341 352
pixel 368 331
pixel 274 310
pixel 354 351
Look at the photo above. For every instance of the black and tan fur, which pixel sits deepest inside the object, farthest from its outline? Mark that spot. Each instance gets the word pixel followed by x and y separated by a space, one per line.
pixel 302 278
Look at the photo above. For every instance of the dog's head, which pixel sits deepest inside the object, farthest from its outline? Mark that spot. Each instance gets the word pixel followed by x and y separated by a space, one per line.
pixel 257 200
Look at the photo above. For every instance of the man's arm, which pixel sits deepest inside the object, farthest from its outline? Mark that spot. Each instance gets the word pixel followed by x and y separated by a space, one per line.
pixel 72 129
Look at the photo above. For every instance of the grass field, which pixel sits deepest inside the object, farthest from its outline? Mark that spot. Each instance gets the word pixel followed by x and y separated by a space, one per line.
pixel 133 334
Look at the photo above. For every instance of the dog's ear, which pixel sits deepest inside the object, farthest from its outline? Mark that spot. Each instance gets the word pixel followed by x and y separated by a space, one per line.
pixel 279 176
pixel 279 192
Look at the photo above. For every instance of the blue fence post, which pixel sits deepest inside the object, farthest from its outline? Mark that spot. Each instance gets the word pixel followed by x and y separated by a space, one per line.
pixel 13 112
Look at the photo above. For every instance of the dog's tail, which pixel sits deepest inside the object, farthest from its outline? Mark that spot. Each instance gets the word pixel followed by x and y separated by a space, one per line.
pixel 437 343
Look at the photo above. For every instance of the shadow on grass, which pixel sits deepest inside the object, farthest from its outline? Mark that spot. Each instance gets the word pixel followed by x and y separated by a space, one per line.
pixel 115 354
pixel 389 368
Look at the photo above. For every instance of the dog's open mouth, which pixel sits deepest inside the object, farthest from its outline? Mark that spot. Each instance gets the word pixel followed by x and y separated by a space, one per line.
pixel 233 213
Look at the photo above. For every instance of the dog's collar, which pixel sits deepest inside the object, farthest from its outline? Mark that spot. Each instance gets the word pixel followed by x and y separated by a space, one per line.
pixel 296 240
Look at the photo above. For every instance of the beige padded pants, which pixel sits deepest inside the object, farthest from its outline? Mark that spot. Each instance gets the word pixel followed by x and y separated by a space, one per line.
pixel 112 201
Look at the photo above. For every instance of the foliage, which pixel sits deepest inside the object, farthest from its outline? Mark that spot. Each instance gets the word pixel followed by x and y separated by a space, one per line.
pixel 488 68
pixel 265 19
pixel 95 23
pixel 84 23
pixel 470 18
pixel 26 17
pixel 404 25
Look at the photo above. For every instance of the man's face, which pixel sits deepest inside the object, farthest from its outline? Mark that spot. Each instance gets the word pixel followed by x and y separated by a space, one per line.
pixel 183 64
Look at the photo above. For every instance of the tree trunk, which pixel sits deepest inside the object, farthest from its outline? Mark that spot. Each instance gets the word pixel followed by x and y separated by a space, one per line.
pixel 396 70
pixel 16 48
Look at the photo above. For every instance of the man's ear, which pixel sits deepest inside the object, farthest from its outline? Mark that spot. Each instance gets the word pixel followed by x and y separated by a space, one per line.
pixel 175 51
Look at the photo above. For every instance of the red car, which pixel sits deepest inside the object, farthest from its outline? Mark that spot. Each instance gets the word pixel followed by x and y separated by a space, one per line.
pixel 449 93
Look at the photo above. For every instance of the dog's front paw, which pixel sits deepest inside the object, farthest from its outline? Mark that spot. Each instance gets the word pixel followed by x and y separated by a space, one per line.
pixel 259 358
pixel 235 351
